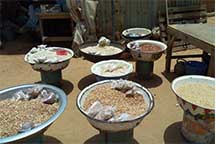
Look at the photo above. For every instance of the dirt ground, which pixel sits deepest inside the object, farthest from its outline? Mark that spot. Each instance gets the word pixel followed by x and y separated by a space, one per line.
pixel 162 125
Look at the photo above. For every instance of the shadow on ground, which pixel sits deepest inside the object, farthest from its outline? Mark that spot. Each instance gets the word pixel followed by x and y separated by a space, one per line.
pixel 99 139
pixel 173 134
pixel 86 81
pixel 169 76
pixel 155 81
pixel 51 140
pixel 66 86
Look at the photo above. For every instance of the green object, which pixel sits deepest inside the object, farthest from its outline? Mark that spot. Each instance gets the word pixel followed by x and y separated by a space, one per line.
pixel 122 137
pixel 144 69
pixel 51 77
pixel 35 140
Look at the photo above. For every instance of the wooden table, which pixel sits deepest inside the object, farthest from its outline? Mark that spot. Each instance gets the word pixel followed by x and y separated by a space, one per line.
pixel 54 16
pixel 199 35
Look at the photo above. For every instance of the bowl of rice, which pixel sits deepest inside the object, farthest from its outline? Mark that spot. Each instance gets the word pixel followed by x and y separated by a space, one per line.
pixel 26 111
pixel 146 50
pixel 196 96
pixel 112 69
pixel 115 105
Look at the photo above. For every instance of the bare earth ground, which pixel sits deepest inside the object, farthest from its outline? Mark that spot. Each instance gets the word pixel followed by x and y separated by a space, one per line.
pixel 162 125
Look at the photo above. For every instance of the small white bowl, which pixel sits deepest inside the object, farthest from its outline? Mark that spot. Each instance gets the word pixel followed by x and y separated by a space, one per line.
pixel 95 69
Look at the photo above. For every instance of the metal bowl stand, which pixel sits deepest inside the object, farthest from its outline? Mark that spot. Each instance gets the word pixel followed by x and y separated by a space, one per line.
pixel 144 69
pixel 124 137
pixel 51 77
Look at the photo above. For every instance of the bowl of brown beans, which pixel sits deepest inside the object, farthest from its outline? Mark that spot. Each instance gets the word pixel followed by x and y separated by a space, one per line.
pixel 146 50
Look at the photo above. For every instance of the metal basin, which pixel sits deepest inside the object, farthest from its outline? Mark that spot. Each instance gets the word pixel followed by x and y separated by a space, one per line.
pixel 97 58
pixel 114 126
pixel 62 99
pixel 136 33
pixel 147 56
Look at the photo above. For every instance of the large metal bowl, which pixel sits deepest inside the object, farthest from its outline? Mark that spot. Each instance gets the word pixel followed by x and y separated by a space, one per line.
pixel 62 99
pixel 97 58
pixel 114 126
pixel 147 56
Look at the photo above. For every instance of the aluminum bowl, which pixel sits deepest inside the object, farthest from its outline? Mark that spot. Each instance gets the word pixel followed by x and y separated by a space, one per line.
pixel 62 98
pixel 114 126
pixel 97 58
pixel 146 56
pixel 198 122
pixel 136 33
pixel 100 77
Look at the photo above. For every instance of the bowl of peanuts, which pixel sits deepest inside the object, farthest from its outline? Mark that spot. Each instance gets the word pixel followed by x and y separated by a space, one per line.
pixel 115 105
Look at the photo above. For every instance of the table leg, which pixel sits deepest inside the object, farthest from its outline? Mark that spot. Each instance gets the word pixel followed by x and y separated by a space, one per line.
pixel 211 66
pixel 171 40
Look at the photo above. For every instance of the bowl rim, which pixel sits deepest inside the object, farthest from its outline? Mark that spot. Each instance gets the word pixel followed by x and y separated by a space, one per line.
pixel 187 77
pixel 136 28
pixel 164 46
pixel 130 69
pixel 37 129
pixel 33 63
pixel 94 43
pixel 151 105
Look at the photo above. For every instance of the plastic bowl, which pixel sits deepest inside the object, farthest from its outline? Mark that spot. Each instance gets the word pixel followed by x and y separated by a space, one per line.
pixel 147 56
pixel 95 69
pixel 114 126
pixel 62 99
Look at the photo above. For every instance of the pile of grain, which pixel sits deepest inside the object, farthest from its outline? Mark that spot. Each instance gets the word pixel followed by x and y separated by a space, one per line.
pixel 200 94
pixel 15 113
pixel 133 106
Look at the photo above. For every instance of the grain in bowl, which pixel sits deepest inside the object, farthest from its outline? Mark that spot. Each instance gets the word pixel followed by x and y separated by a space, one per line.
pixel 200 94
pixel 116 101
pixel 27 109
